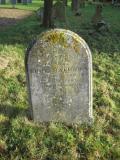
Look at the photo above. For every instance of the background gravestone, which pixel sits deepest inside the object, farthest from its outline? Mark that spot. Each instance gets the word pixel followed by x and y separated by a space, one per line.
pixel 59 11
pixel 29 1
pixel 13 2
pixel 59 75
pixel 24 2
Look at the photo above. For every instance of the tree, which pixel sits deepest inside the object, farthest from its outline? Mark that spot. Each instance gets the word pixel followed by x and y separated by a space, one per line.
pixel 19 1
pixel 47 16
pixel 75 5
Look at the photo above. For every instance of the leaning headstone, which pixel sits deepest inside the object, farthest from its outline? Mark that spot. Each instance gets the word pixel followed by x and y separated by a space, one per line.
pixel 59 76
pixel 59 11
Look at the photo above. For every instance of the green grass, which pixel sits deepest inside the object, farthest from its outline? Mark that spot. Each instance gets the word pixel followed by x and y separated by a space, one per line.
pixel 20 138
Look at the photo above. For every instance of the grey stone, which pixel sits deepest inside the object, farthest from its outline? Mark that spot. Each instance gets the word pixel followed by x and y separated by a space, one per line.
pixel 117 5
pixel 29 1
pixel 59 11
pixel 59 78
pixel 102 26
pixel 24 2
pixel 13 2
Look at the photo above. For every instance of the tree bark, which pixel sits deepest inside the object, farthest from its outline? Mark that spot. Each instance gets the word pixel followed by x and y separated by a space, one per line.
pixel 47 16
pixel 19 1
pixel 75 5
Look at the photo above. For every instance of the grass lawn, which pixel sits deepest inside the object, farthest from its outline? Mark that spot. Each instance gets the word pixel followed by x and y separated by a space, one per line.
pixel 20 138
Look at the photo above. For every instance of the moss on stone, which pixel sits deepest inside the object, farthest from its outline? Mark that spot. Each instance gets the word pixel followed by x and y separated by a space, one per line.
pixel 62 38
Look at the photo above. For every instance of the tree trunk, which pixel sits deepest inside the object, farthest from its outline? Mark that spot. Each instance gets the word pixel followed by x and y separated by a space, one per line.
pixel 19 1
pixel 75 5
pixel 65 2
pixel 47 16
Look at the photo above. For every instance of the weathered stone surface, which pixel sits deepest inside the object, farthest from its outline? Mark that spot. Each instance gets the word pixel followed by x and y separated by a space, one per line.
pixel 24 2
pixel 59 75
pixel 29 1
pixel 59 11
pixel 13 2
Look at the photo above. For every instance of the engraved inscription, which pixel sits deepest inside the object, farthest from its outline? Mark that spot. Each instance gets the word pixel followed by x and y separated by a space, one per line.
pixel 60 78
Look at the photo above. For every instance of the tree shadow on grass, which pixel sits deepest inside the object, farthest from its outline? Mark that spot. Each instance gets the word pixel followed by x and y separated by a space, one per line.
pixel 8 113
pixel 13 111
pixel 22 32
pixel 5 22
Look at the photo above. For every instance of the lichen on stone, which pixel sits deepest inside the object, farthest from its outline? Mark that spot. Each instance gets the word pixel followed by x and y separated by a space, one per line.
pixel 56 38
pixel 62 38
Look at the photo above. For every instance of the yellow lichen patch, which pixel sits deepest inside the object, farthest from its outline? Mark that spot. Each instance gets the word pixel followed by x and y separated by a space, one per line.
pixel 63 37
pixel 76 45
pixel 54 67
pixel 56 37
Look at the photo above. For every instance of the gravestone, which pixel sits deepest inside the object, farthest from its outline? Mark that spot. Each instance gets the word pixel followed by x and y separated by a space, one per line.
pixel 29 1
pixel 59 78
pixel 24 2
pixel 59 11
pixel 13 2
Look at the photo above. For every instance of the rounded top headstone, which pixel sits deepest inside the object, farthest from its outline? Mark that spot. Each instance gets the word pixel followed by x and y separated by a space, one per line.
pixel 59 74
pixel 65 38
